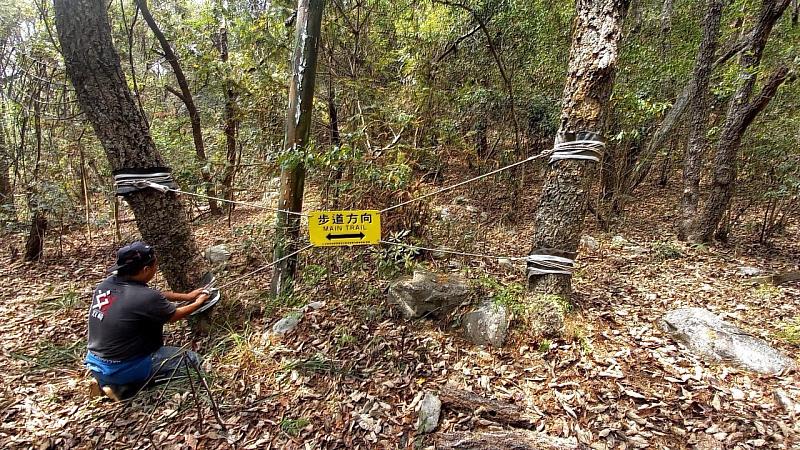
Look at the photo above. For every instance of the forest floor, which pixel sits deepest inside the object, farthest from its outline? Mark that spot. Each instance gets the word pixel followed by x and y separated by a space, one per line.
pixel 353 371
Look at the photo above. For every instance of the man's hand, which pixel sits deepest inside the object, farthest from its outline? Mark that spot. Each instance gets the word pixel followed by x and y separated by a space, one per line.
pixel 185 310
pixel 187 297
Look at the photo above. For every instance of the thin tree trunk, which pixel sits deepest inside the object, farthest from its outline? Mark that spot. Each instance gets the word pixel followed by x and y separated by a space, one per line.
pixel 34 246
pixel 7 209
pixel 666 18
pixel 564 200
pixel 671 119
pixel 187 99
pixel 741 113
pixel 298 125
pixel 698 116
pixel 335 137
pixel 93 66
pixel 231 120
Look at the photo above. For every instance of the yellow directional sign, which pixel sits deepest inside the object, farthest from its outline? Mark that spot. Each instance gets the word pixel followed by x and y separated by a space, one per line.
pixel 335 228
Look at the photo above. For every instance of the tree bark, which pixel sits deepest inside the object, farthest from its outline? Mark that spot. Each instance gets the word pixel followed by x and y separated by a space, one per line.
pixel 563 204
pixel 298 125
pixel 741 113
pixel 34 245
pixel 188 101
pixel 698 116
pixel 7 209
pixel 671 120
pixel 93 66
pixel 497 411
pixel 230 119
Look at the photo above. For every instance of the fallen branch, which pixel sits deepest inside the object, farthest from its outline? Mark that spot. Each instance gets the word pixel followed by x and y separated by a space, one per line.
pixel 490 409
pixel 778 279
pixel 516 439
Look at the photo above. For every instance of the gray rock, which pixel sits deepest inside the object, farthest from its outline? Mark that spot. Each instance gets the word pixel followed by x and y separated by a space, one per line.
pixel 546 314
pixel 487 325
pixel 316 305
pixel 429 410
pixel 426 293
pixel 747 271
pixel 454 265
pixel 444 214
pixel 635 249
pixel 589 243
pixel 506 263
pixel 618 241
pixel 784 401
pixel 716 340
pixel 217 254
pixel 286 325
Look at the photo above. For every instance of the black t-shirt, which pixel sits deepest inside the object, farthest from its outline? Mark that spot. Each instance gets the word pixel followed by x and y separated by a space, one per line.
pixel 126 319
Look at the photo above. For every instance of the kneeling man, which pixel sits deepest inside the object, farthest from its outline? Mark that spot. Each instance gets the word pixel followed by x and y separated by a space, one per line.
pixel 126 321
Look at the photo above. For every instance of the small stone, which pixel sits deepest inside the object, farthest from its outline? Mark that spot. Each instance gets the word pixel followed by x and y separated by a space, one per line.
pixel 783 399
pixel 316 305
pixel 635 249
pixel 589 243
pixel 429 410
pixel 286 325
pixel 487 325
pixel 737 394
pixel 471 209
pixel 505 263
pixel 546 314
pixel 618 241
pixel 747 271
pixel 454 265
pixel 460 200
pixel 445 214
pixel 217 254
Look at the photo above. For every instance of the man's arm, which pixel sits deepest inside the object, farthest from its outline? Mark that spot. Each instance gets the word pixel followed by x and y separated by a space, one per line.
pixel 187 297
pixel 185 310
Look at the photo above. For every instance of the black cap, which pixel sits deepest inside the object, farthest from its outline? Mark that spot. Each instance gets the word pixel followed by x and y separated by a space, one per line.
pixel 133 257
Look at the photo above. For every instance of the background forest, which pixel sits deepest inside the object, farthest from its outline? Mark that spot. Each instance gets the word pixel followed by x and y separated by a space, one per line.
pixel 403 89
pixel 699 182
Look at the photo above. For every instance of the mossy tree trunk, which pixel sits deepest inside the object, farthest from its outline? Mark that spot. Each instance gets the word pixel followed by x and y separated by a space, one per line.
pixel 298 125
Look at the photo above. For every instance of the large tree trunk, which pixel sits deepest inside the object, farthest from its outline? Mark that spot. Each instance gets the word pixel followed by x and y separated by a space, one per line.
pixel 298 125
pixel 94 68
pixel 741 113
pixel 34 245
pixel 698 115
pixel 564 200
pixel 186 96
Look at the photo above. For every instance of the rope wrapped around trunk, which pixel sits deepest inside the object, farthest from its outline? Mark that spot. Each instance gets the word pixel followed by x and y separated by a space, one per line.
pixel 127 181
pixel 584 145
